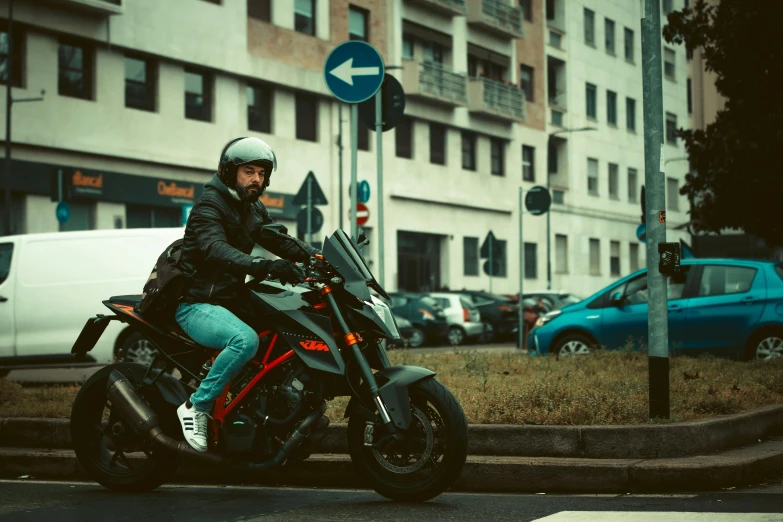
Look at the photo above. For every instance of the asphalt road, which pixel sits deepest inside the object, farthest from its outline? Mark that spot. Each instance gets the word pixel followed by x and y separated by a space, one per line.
pixel 78 375
pixel 23 501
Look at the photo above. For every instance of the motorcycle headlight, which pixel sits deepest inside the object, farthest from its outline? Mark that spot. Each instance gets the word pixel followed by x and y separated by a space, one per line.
pixel 384 313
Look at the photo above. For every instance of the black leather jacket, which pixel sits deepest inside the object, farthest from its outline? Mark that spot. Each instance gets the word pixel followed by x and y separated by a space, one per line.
pixel 219 236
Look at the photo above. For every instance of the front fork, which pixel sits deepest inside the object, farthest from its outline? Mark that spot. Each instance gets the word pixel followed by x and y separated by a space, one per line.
pixel 364 368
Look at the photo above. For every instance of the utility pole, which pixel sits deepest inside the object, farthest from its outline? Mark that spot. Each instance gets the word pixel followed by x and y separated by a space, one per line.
pixel 657 314
pixel 8 103
pixel 340 162
pixel 549 213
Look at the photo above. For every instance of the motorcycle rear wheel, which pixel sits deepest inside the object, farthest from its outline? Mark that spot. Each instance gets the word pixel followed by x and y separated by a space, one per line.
pixel 107 449
pixel 434 454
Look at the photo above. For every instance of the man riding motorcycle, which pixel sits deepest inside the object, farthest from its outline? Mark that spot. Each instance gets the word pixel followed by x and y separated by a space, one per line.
pixel 221 231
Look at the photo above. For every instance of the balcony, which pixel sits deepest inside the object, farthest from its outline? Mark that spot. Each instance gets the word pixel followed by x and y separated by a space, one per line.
pixel 435 82
pixel 496 99
pixel 448 7
pixel 496 16
pixel 101 7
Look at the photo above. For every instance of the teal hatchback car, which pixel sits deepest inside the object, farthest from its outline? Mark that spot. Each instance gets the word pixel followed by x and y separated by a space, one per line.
pixel 725 307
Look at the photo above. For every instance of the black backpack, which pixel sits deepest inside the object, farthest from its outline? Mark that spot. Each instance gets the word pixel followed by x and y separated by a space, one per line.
pixel 166 283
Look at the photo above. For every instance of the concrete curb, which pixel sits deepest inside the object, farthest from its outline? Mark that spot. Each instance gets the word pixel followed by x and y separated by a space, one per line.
pixel 647 441
pixel 738 467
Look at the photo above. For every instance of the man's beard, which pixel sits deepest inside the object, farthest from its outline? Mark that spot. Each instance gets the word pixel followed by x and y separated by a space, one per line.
pixel 246 195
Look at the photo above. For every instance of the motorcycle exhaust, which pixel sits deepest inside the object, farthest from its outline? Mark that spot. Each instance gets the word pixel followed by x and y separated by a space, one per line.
pixel 144 422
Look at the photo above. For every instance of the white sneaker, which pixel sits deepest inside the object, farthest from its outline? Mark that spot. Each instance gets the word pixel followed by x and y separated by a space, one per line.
pixel 194 426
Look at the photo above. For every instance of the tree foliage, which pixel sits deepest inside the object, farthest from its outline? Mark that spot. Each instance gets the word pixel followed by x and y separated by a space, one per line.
pixel 737 179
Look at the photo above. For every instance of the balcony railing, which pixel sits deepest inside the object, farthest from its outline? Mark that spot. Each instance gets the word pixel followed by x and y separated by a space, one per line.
pixel 498 16
pixel 103 7
pixel 434 81
pixel 453 7
pixel 498 99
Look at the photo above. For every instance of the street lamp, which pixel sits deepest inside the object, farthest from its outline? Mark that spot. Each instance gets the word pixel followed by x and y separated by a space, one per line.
pixel 549 214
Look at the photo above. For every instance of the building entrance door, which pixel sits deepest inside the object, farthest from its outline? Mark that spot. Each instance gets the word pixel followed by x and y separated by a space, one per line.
pixel 418 262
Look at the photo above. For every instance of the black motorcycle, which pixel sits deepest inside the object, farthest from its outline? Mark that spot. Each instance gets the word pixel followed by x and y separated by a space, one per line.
pixel 407 434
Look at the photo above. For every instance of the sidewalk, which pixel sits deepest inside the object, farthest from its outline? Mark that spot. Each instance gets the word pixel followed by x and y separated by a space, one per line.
pixel 730 451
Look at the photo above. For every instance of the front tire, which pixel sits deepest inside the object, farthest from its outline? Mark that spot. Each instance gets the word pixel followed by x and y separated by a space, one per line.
pixel 435 452
pixel 107 448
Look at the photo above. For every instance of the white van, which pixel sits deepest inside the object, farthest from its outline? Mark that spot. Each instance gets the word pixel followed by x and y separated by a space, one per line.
pixel 50 284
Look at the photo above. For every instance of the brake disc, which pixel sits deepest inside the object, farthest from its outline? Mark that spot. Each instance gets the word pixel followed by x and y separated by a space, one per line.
pixel 396 463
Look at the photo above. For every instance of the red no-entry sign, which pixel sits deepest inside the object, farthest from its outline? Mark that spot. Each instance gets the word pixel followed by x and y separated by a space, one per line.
pixel 362 214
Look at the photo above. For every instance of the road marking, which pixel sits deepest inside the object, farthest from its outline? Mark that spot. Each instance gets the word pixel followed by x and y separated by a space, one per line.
pixel 674 516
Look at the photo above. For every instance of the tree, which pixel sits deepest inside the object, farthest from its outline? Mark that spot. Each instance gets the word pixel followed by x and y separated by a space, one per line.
pixel 736 179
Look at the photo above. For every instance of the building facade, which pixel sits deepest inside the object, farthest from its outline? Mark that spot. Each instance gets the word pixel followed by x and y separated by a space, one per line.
pixel 140 96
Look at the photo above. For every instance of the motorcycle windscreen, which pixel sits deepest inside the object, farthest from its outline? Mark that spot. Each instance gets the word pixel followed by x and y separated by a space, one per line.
pixel 341 252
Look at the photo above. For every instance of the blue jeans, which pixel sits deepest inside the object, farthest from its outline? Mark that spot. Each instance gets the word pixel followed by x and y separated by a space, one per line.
pixel 215 327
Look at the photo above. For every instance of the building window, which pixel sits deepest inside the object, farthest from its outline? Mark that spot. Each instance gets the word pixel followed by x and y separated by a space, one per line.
pixel 671 128
pixel 592 104
pixel 497 147
pixel 609 35
pixel 82 217
pixel 614 181
pixel 470 251
pixel 357 24
pixel 614 258
pixel 16 51
pixel 558 197
pixel 531 261
pixel 499 257
pixel 527 9
pixel 592 176
pixel 629 45
pixel 561 254
pixel 690 96
pixel 633 257
pixel 668 63
pixel 75 67
pixel 468 151
pixel 259 108
pixel 672 194
pixel 403 138
pixel 260 10
pixel 198 96
pixel 595 257
pixel 611 108
pixel 407 46
pixel 139 84
pixel 667 6
pixel 526 81
pixel 432 51
pixel 589 27
pixel 306 106
pixel 550 10
pixel 630 114
pixel 528 163
pixel 437 144
pixel 551 158
pixel 633 180
pixel 304 16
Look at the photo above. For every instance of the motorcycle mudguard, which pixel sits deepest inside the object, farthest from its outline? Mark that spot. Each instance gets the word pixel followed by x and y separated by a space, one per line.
pixel 394 393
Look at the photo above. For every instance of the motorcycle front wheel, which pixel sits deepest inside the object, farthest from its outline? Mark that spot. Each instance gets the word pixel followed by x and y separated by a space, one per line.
pixel 106 446
pixel 430 458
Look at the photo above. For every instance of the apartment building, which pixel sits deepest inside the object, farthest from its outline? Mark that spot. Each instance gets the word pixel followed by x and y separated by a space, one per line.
pixel 596 142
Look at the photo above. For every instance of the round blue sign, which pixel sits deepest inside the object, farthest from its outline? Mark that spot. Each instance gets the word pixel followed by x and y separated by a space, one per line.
pixel 354 71
pixel 63 212
pixel 364 191
pixel 641 232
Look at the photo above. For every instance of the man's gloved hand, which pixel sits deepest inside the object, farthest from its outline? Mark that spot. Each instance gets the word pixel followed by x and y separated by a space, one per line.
pixel 283 270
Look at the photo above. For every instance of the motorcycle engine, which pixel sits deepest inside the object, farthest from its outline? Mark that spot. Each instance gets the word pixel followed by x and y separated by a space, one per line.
pixel 289 393
pixel 238 432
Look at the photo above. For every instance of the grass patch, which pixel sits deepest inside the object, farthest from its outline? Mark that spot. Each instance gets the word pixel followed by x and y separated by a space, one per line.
pixel 511 388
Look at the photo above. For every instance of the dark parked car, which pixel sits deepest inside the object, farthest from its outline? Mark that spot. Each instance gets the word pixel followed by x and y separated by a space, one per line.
pixel 426 316
pixel 406 331
pixel 498 312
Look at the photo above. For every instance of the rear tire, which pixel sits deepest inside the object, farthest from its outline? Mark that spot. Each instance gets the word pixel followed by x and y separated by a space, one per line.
pixel 445 435
pixel 93 446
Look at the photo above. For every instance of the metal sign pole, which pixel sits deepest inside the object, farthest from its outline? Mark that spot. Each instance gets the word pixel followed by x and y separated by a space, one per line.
pixel 379 158
pixel 657 314
pixel 354 159
pixel 491 264
pixel 309 210
pixel 8 103
pixel 521 275
pixel 340 162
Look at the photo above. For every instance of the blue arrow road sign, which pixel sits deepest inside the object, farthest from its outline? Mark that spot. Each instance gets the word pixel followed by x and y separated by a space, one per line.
pixel 63 212
pixel 354 71
pixel 364 191
pixel 641 232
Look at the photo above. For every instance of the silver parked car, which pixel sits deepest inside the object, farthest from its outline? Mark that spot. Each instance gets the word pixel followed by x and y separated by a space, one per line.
pixel 462 315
